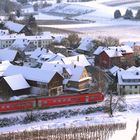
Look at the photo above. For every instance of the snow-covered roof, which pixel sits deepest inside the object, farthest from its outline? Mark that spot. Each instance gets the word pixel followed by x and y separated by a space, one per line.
pixel 114 51
pixel 12 36
pixel 131 77
pixel 19 82
pixel 3 66
pixel 33 74
pixel 37 53
pixel 7 54
pixel 39 37
pixel 85 44
pixel 131 43
pixel 20 44
pixel 16 27
pixel 79 60
pixel 114 70
pixel 58 38
pixel 133 68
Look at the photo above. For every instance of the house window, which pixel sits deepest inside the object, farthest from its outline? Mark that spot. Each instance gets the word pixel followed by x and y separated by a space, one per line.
pixel 135 86
pixel 131 87
pixel 123 86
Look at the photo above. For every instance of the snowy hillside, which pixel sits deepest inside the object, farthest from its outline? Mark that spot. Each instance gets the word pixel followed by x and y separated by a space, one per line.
pixel 68 9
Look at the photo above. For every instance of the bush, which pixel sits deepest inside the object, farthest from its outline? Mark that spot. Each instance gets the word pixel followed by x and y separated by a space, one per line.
pixel 128 14
pixel 117 14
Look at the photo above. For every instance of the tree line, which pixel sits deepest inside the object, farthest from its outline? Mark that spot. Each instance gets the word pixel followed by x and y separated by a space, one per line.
pixel 128 14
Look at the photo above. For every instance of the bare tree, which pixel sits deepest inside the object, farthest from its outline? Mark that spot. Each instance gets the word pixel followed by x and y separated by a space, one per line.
pixel 74 40
pixel 109 41
pixel 114 103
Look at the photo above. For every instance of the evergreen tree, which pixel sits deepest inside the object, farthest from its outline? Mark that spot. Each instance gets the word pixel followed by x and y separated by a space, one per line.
pixel 18 13
pixel 117 14
pixel 32 21
pixel 138 15
pixel 128 14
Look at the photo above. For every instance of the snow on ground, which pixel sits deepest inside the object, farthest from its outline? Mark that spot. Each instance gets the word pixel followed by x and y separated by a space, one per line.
pixel 130 117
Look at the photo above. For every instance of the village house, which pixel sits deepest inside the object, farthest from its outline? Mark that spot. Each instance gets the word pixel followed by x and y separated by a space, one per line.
pixel 129 81
pixel 76 78
pixel 41 81
pixel 9 88
pixel 86 46
pixel 21 44
pixel 17 28
pixel 135 45
pixel 37 41
pixel 7 40
pixel 121 56
pixel 40 40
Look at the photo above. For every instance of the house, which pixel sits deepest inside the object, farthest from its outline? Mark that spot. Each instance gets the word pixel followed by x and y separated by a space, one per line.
pixel 41 81
pixel 76 78
pixel 18 87
pixel 79 79
pixel 135 45
pixel 17 28
pixel 7 40
pixel 37 41
pixel 20 44
pixel 106 57
pixel 129 81
pixel 86 46
pixel 41 55
pixel 40 41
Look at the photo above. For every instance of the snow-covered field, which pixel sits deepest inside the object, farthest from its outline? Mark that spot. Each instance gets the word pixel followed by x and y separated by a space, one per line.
pixel 99 18
pixel 130 117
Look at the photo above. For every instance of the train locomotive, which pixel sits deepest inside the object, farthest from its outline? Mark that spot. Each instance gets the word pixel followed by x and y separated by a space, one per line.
pixel 48 102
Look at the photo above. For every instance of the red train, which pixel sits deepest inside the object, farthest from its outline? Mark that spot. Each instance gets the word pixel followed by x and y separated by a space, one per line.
pixel 47 102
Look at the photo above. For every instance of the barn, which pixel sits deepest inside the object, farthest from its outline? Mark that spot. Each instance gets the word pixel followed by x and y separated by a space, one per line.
pixel 14 85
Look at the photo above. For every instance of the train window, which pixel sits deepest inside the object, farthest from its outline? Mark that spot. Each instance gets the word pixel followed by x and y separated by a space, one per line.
pixel 39 104
pixel 69 99
pixel 54 101
pixel 7 106
pixel 2 106
pixel 45 102
pixel 59 100
pixel 75 99
pixel 64 100
pixel 92 97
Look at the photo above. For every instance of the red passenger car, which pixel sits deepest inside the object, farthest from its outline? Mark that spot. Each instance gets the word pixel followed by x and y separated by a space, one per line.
pixel 47 102
pixel 20 105
pixel 70 100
